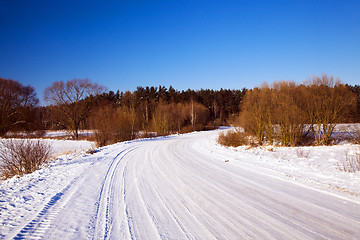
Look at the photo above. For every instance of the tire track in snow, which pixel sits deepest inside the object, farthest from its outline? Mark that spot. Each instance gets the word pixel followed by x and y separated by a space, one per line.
pixel 174 217
pixel 149 222
pixel 125 207
pixel 102 223
pixel 265 205
pixel 175 183
pixel 196 202
pixel 260 200
pixel 271 201
pixel 36 228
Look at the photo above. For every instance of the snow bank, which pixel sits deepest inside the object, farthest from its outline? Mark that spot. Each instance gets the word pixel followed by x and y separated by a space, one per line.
pixel 61 147
pixel 317 165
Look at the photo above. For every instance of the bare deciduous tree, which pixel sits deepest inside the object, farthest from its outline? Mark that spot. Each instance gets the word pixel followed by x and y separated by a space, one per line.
pixel 280 112
pixel 256 111
pixel 327 101
pixel 289 118
pixel 15 99
pixel 113 124
pixel 74 99
pixel 172 118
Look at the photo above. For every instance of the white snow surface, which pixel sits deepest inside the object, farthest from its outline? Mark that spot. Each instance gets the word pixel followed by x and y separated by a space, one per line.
pixel 65 133
pixel 186 187
pixel 62 147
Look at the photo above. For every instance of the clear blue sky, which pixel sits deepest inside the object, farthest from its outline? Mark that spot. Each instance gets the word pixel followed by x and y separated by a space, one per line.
pixel 186 44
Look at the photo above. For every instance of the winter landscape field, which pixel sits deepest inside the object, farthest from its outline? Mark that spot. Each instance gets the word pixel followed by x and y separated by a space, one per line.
pixel 180 120
pixel 184 187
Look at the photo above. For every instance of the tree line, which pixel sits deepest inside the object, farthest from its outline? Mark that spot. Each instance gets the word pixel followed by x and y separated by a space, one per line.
pixel 82 104
pixel 282 111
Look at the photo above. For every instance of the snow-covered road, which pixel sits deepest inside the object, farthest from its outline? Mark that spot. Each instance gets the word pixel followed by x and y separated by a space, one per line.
pixel 177 187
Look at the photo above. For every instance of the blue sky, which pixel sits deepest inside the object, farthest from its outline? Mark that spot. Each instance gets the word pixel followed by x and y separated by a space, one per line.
pixel 186 44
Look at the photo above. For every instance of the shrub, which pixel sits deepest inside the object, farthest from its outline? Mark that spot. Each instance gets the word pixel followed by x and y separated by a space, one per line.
pixel 281 112
pixel 354 134
pixel 232 138
pixel 302 153
pixel 254 116
pixel 113 125
pixel 351 163
pixel 22 156
pixel 327 103
pixel 273 113
pixel 307 139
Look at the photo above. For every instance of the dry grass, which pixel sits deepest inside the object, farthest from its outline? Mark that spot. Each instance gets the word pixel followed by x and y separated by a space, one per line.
pixel 351 163
pixel 233 138
pixel 302 153
pixel 26 134
pixel 355 135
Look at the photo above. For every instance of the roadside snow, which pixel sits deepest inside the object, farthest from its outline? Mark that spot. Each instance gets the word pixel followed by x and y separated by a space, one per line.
pixel 62 147
pixel 317 165
pixel 21 197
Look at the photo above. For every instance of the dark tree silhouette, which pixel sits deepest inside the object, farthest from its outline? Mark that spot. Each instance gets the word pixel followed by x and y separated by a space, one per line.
pixel 16 102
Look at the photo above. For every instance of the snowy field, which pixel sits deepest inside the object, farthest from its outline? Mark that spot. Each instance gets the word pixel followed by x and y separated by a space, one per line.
pixel 63 134
pixel 185 187
pixel 63 147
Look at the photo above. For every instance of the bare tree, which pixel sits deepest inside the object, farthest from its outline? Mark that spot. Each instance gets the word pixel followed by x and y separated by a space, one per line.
pixel 281 111
pixel 15 100
pixel 327 101
pixel 256 115
pixel 102 120
pixel 74 99
pixel 113 124
pixel 288 115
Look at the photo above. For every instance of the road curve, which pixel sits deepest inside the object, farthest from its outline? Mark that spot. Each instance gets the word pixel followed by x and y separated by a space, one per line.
pixel 177 187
